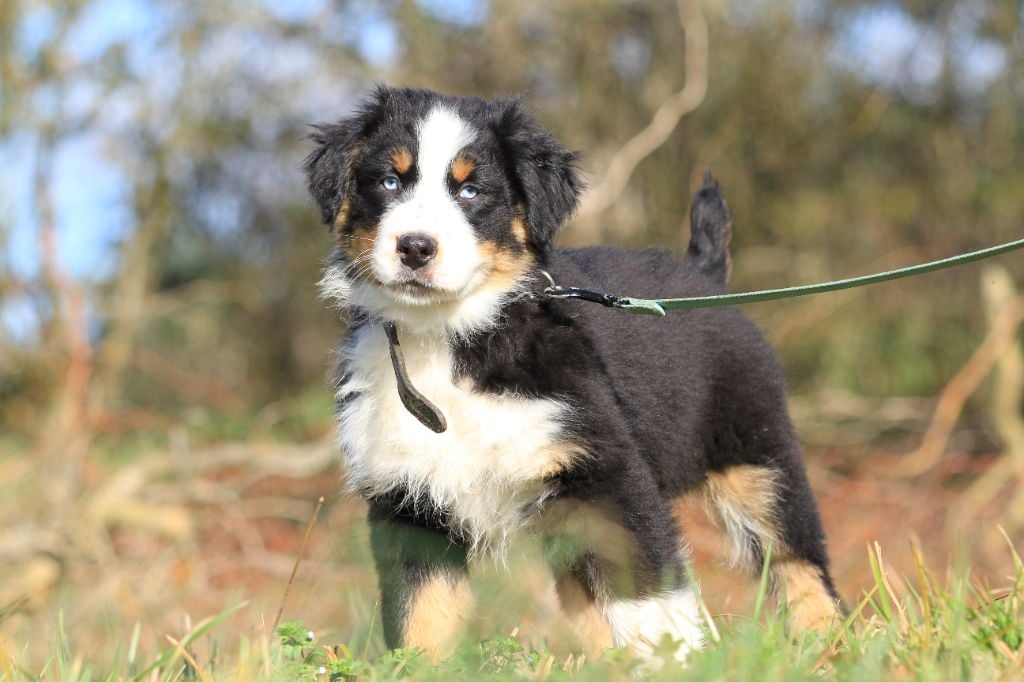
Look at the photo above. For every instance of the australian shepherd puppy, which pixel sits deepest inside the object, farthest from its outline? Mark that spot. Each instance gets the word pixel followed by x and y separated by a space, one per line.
pixel 567 420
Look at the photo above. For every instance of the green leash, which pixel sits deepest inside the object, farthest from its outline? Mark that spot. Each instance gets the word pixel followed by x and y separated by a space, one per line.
pixel 658 306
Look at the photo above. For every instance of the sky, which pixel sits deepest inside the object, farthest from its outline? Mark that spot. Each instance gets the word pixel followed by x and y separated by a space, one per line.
pixel 881 43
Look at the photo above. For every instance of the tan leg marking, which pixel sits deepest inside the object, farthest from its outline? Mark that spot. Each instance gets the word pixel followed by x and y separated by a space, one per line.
pixel 435 615
pixel 592 633
pixel 743 499
pixel 810 606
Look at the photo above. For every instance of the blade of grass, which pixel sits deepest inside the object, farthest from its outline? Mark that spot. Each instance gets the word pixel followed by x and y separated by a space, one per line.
pixel 183 652
pixel 298 560
pixel 201 629
pixel 849 620
pixel 884 598
pixel 62 647
pixel 706 615
pixel 243 670
pixel 1017 562
pixel 702 605
pixel 369 635
pixel 896 601
pixel 265 646
pixel 133 648
pixel 762 587
pixel 926 595
pixel 6 664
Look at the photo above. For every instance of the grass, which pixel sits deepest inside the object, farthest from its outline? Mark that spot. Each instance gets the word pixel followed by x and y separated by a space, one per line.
pixel 905 627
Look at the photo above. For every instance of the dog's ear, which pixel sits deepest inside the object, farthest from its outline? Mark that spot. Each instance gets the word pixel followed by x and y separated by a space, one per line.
pixel 544 169
pixel 329 166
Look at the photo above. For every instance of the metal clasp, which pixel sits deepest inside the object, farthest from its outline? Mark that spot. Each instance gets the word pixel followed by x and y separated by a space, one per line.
pixel 555 291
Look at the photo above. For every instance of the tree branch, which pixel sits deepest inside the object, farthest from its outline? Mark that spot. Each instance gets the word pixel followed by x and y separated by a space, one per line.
pixel 665 120
pixel 1000 338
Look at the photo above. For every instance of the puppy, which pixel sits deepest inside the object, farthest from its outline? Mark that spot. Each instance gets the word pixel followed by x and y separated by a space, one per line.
pixel 564 419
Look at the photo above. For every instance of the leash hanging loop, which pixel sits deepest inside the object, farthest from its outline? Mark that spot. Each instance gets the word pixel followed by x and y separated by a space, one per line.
pixel 414 401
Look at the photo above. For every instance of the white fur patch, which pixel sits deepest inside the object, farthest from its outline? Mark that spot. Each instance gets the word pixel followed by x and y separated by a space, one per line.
pixel 441 136
pixel 486 470
pixel 432 211
pixel 640 624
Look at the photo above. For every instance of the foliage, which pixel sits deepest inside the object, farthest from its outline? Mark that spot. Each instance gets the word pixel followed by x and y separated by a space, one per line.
pixel 837 157
pixel 928 630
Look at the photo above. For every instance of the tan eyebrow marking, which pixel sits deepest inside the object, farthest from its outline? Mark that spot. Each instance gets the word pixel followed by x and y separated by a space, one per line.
pixel 402 160
pixel 461 168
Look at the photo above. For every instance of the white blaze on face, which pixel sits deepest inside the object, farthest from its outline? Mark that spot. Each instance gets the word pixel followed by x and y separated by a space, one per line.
pixel 431 210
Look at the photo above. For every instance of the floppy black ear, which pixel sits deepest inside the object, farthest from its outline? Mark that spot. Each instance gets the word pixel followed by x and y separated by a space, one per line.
pixel 549 185
pixel 329 167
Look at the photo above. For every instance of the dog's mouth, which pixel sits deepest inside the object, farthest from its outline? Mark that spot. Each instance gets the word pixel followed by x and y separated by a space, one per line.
pixel 417 290
pixel 414 288
pixel 420 287
pixel 405 286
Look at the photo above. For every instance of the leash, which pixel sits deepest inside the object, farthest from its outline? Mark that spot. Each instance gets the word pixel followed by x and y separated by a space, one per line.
pixel 417 404
pixel 658 306
pixel 430 416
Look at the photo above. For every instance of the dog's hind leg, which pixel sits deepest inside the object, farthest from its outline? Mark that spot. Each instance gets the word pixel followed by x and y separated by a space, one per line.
pixel 772 505
pixel 423 583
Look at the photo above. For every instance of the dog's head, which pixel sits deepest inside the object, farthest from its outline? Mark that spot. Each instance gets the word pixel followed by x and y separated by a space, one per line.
pixel 439 206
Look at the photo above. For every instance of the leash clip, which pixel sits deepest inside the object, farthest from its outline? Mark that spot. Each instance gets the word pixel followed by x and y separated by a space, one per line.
pixel 555 291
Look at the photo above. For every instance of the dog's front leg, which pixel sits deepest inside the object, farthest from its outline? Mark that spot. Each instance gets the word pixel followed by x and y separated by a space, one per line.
pixel 616 550
pixel 423 582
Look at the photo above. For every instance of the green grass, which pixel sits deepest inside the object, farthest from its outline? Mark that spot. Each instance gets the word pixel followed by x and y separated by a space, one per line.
pixel 925 629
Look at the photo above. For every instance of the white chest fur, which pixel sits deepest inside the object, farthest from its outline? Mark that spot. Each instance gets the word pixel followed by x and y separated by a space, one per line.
pixel 486 470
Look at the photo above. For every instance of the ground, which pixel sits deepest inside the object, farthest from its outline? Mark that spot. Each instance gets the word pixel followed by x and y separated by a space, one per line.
pixel 164 540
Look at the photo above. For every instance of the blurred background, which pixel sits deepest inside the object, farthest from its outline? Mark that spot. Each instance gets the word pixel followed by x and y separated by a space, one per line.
pixel 165 428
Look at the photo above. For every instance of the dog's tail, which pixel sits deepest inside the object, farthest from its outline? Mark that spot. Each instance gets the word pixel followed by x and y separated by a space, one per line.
pixel 710 232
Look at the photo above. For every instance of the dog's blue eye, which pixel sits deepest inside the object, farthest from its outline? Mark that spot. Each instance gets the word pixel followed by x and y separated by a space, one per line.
pixel 389 183
pixel 468 192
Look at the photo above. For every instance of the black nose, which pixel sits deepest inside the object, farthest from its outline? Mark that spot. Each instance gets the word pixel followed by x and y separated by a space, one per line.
pixel 416 250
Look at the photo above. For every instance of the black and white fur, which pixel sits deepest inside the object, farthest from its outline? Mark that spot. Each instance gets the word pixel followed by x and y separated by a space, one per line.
pixel 565 419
